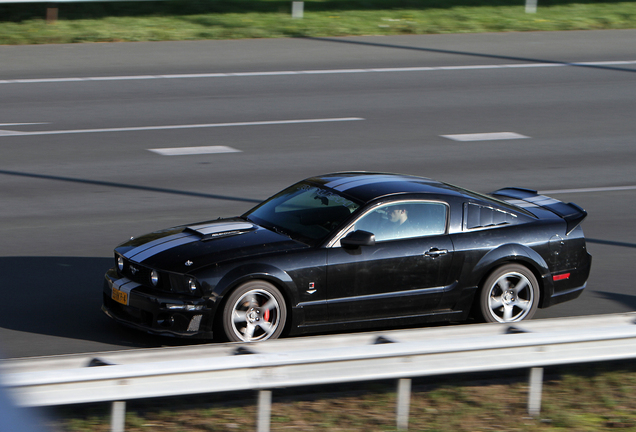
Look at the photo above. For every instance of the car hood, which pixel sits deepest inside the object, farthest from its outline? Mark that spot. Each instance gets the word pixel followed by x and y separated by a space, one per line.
pixel 187 248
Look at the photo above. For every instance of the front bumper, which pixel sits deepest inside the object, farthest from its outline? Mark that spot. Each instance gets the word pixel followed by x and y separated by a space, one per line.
pixel 157 313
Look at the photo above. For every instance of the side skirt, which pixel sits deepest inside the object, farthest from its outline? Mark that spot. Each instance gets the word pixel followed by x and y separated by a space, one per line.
pixel 437 316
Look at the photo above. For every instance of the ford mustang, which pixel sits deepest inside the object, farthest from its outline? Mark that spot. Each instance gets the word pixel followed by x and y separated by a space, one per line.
pixel 348 251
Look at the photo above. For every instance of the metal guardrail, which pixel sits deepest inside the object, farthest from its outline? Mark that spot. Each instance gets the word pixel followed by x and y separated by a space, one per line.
pixel 52 11
pixel 401 355
pixel 296 12
pixel 297 6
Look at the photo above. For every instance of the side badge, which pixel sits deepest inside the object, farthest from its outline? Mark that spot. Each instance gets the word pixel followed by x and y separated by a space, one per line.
pixel 311 289
pixel 188 263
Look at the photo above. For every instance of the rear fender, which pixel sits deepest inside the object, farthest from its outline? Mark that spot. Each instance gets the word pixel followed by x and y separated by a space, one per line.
pixel 516 253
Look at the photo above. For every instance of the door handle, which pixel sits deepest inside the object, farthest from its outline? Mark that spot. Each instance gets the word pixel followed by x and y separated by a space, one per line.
pixel 434 252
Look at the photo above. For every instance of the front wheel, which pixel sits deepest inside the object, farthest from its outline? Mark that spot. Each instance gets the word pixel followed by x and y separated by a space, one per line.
pixel 510 294
pixel 255 311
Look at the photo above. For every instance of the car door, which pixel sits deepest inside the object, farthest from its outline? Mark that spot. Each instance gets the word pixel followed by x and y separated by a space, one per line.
pixel 403 274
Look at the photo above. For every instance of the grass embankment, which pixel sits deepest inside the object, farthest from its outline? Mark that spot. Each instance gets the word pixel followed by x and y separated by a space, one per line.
pixel 239 19
pixel 584 398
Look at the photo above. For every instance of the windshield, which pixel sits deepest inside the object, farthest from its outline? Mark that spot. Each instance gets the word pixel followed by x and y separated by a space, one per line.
pixel 304 212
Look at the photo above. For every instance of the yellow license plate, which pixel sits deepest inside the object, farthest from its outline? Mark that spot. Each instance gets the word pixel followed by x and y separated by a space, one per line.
pixel 120 296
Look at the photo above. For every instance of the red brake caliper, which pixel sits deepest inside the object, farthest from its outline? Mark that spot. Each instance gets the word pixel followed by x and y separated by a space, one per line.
pixel 266 315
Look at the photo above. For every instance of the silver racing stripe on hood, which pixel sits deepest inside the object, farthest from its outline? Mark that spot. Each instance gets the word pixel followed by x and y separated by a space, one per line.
pixel 190 235
pixel 126 285
pixel 159 242
pixel 147 253
pixel 221 227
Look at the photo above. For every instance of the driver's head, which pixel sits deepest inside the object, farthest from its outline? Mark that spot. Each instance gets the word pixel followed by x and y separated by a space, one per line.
pixel 398 214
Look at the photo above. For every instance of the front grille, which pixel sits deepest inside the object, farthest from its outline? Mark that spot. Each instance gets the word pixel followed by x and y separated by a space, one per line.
pixel 136 273
pixel 168 282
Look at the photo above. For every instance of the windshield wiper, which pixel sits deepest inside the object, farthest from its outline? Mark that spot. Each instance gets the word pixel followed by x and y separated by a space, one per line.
pixel 278 230
pixel 270 226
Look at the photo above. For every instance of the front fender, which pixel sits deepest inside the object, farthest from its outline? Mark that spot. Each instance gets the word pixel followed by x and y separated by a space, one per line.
pixel 511 253
pixel 267 272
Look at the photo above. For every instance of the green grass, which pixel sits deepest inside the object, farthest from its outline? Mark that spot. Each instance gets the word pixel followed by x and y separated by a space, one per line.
pixel 583 398
pixel 240 19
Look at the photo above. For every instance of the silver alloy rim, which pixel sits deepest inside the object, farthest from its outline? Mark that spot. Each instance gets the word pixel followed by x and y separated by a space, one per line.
pixel 255 316
pixel 511 298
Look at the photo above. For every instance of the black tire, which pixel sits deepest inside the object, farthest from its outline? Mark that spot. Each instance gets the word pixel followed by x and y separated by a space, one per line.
pixel 509 294
pixel 255 311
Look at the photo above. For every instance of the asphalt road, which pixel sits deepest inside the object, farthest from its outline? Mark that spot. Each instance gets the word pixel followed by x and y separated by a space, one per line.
pixel 77 175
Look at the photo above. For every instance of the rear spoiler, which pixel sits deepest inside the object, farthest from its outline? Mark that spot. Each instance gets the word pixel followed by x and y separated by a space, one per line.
pixel 527 198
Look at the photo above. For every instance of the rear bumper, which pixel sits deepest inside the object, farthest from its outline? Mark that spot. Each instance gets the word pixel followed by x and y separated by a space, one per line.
pixel 162 314
pixel 571 288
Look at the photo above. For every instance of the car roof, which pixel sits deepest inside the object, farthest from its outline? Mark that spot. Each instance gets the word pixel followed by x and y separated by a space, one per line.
pixel 368 186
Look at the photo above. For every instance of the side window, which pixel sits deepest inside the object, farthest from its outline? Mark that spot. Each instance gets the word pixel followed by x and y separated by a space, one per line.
pixel 479 216
pixel 404 220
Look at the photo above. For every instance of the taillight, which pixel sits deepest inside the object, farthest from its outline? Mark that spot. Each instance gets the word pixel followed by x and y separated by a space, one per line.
pixel 563 276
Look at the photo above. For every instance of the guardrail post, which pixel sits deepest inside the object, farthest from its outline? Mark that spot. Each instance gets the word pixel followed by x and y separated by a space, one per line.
pixel 531 6
pixel 297 9
pixel 118 417
pixel 51 13
pixel 264 410
pixel 403 403
pixel 536 385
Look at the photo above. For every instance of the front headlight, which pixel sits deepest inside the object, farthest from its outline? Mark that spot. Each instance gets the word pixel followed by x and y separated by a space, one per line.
pixel 182 284
pixel 154 277
pixel 120 263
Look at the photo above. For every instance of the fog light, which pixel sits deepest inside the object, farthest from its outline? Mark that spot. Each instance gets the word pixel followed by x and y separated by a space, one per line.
pixel 165 320
pixel 120 263
pixel 183 307
pixel 154 277
pixel 192 284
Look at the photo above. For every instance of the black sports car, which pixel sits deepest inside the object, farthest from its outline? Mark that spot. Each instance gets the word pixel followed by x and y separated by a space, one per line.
pixel 353 250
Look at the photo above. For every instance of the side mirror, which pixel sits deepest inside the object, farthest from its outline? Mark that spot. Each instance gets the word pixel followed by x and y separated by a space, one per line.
pixel 358 238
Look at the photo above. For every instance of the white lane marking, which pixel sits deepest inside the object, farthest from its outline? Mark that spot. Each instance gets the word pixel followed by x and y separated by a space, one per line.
pixel 10 132
pixel 20 124
pixel 313 72
pixel 191 126
pixel 586 190
pixel 183 151
pixel 485 136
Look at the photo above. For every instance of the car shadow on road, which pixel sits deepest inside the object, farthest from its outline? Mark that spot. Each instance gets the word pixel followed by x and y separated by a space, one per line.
pixel 472 54
pixel 611 243
pixel 127 186
pixel 624 299
pixel 62 297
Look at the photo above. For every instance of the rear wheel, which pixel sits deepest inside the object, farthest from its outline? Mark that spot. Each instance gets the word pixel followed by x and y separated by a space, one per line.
pixel 510 294
pixel 255 311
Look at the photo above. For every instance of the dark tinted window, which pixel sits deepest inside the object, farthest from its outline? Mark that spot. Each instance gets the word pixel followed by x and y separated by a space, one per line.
pixel 480 216
pixel 404 220
pixel 303 211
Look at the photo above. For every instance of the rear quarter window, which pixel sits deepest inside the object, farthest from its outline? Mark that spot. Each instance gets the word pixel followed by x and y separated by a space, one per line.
pixel 482 216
